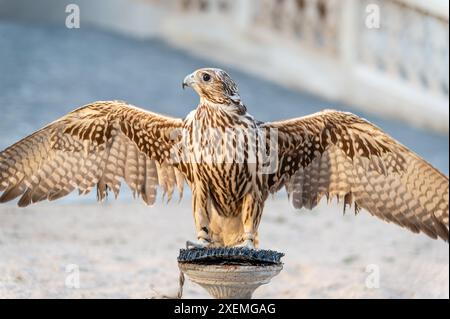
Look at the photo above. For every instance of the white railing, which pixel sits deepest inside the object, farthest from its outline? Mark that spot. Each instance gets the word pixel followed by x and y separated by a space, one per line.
pixel 399 69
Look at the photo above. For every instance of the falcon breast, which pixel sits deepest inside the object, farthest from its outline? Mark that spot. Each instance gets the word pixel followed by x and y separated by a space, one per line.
pixel 230 161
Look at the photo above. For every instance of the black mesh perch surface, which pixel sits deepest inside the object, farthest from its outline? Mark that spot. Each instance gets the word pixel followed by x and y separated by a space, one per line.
pixel 230 255
pixel 230 273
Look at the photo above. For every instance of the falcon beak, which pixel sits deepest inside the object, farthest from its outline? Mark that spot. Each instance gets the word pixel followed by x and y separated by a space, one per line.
pixel 188 81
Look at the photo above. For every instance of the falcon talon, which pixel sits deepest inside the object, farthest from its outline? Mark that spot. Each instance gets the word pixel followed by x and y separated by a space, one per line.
pixel 246 244
pixel 199 244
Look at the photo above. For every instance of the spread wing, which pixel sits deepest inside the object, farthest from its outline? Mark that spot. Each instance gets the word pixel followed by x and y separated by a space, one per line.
pixel 337 154
pixel 100 145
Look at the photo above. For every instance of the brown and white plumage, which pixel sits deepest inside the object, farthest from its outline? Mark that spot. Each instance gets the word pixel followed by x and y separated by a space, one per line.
pixel 336 154
pixel 332 154
pixel 98 145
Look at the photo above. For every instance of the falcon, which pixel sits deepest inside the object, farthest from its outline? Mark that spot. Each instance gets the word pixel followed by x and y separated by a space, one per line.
pixel 230 161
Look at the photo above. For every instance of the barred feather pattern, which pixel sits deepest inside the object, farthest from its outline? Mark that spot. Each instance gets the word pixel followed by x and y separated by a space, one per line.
pixel 339 155
pixel 98 145
pixel 224 183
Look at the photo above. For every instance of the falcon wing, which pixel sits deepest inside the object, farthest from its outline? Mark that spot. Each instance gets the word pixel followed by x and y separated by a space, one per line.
pixel 96 145
pixel 340 155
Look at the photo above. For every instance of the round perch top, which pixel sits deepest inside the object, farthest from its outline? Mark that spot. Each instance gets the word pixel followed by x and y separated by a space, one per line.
pixel 230 255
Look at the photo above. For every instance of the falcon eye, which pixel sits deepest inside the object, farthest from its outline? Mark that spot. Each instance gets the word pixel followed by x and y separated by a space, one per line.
pixel 206 77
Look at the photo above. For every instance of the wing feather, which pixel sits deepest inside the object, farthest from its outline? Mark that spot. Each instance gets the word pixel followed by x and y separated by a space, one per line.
pixel 151 182
pixel 97 145
pixel 340 155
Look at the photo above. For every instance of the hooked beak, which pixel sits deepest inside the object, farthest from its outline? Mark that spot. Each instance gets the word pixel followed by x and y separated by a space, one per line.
pixel 188 81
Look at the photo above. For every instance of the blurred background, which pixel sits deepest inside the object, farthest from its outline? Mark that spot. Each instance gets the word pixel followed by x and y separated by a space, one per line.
pixel 385 60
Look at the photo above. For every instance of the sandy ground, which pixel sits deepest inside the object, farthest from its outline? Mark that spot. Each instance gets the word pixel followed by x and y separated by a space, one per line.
pixel 126 250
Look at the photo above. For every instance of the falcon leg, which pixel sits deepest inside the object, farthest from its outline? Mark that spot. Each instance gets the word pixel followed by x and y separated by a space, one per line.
pixel 201 218
pixel 251 216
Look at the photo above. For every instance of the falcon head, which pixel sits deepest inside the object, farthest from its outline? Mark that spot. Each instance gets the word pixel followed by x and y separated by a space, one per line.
pixel 213 86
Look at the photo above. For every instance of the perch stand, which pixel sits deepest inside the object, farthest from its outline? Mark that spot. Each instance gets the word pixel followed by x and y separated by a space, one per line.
pixel 230 273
